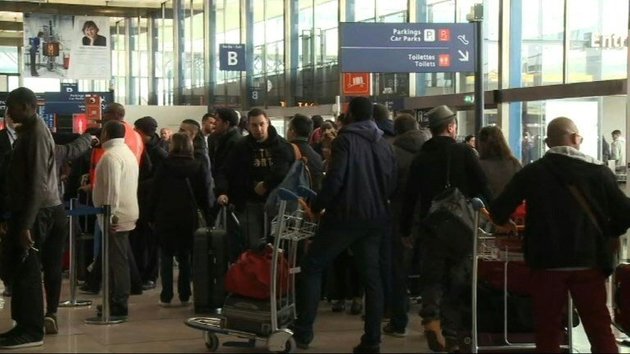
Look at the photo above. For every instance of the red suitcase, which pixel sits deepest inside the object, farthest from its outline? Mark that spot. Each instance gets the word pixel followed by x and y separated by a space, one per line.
pixel 621 301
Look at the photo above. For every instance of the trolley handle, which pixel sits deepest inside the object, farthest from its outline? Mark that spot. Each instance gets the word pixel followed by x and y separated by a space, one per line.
pixel 287 195
pixel 306 192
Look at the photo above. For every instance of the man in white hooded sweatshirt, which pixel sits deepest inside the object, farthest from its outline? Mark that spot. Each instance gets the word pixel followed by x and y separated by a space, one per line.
pixel 117 185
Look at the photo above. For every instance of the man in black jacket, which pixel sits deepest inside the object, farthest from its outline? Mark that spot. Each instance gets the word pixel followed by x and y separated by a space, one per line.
pixel 574 210
pixel 355 194
pixel 442 270
pixel 226 135
pixel 142 239
pixel 254 167
pixel 300 129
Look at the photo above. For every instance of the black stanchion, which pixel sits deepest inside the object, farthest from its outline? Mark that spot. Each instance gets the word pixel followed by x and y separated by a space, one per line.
pixel 73 302
pixel 105 317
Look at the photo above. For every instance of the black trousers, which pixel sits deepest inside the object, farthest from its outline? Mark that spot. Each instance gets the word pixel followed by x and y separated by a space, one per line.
pixel 144 245
pixel 96 275
pixel 27 303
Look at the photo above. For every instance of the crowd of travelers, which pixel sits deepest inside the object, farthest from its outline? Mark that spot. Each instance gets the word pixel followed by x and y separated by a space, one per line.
pixel 375 178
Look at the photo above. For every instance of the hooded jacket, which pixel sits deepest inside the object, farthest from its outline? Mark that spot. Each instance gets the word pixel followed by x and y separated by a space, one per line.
pixel 427 177
pixel 406 146
pixel 558 231
pixel 361 177
pixel 387 126
pixel 250 162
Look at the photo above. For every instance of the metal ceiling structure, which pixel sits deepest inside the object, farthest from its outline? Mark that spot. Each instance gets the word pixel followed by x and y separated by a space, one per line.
pixel 11 12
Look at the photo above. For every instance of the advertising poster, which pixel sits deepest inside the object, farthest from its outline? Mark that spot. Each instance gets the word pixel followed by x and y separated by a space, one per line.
pixel 66 47
pixel 91 54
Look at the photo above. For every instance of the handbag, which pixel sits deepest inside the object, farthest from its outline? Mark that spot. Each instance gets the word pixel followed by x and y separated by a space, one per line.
pixel 201 219
pixel 250 276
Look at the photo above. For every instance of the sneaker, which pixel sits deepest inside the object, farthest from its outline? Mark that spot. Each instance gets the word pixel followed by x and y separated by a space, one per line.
pixel 364 348
pixel 22 340
pixel 391 331
pixel 338 306
pixel 50 324
pixel 164 303
pixel 9 333
pixel 185 302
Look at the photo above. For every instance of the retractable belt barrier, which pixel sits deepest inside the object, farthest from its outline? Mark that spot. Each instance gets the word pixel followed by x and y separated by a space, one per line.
pixel 105 317
pixel 76 210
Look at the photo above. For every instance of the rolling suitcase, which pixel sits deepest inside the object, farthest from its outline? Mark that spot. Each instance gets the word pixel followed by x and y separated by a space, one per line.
pixel 252 315
pixel 621 301
pixel 210 263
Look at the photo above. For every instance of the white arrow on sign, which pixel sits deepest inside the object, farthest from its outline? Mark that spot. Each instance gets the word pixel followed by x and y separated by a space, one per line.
pixel 463 56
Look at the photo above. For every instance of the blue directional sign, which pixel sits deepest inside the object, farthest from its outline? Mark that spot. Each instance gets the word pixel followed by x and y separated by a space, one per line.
pixel 407 47
pixel 232 57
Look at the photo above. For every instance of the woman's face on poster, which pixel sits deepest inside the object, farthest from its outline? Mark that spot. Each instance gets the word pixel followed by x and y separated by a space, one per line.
pixel 91 31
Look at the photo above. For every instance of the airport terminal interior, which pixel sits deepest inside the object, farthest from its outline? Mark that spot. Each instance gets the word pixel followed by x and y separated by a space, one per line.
pixel 179 59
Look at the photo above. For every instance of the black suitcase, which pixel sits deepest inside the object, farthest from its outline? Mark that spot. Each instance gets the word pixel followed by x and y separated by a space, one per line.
pixel 253 315
pixel 210 264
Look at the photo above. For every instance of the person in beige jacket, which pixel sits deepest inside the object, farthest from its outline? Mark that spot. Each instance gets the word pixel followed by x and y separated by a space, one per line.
pixel 116 186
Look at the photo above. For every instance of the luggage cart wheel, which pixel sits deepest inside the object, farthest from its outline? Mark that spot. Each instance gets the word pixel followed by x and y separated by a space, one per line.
pixel 281 341
pixel 212 341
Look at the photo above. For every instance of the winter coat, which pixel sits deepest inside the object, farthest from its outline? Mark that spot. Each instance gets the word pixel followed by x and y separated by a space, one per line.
pixel 558 231
pixel 427 176
pixel 172 210
pixel 361 176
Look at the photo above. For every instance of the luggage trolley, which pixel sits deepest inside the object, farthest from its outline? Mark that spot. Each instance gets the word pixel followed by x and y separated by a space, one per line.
pixel 488 247
pixel 288 228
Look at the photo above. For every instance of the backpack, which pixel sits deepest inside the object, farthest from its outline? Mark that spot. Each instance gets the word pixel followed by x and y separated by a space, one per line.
pixel 298 175
pixel 451 217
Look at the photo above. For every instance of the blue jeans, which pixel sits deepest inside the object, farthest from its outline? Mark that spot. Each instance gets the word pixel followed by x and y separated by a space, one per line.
pixel 364 239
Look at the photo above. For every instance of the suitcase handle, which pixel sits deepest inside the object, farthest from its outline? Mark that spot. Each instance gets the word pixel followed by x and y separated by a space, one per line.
pixel 221 221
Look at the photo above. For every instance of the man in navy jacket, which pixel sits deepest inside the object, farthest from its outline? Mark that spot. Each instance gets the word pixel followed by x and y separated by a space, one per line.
pixel 355 195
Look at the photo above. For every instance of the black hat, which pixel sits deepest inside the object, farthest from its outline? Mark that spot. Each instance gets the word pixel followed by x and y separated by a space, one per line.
pixel 147 125
pixel 439 115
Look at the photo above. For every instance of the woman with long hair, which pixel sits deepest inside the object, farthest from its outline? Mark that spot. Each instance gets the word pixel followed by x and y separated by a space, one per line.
pixel 496 158
pixel 179 188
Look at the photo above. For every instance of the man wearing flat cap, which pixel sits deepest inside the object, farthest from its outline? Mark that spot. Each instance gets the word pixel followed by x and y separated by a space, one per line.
pixel 142 240
pixel 442 272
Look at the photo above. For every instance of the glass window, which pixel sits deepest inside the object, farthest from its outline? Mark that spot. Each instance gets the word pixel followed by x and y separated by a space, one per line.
pixel 585 112
pixel 8 59
pixel 542 42
pixel 597 40
pixel 364 10
pixel 386 7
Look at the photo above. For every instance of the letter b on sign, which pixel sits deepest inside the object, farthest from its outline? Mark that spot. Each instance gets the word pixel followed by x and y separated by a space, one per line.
pixel 232 57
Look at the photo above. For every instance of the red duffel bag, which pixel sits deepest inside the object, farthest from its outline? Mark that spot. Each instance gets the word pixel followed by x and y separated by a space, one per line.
pixel 250 276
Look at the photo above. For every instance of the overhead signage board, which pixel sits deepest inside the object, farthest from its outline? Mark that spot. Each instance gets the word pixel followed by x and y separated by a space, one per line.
pixel 232 57
pixel 407 47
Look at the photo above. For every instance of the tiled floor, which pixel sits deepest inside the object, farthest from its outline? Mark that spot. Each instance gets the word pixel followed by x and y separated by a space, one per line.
pixel 152 328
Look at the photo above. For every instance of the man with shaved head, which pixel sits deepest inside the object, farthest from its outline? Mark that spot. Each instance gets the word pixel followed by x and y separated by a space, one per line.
pixel 574 210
